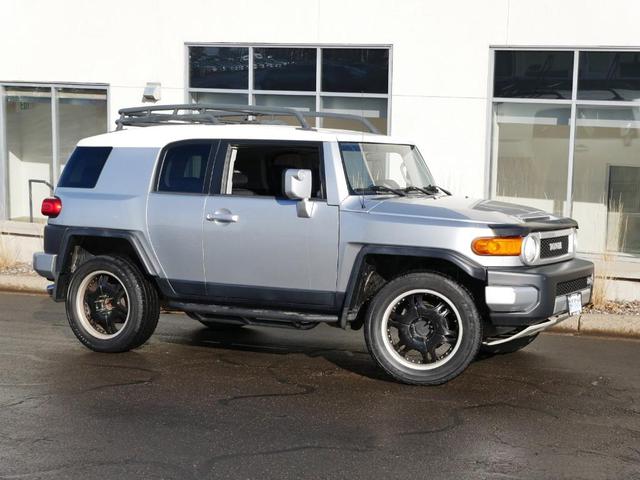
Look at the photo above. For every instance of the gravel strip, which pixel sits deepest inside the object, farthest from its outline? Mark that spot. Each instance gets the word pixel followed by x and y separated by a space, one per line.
pixel 18 269
pixel 616 308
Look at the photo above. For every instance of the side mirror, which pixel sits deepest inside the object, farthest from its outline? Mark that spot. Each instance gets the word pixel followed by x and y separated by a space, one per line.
pixel 297 186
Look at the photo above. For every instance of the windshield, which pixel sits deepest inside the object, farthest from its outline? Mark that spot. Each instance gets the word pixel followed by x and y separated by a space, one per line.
pixel 373 167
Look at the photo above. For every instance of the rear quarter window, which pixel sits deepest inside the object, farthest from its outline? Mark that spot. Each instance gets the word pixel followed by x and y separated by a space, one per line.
pixel 84 167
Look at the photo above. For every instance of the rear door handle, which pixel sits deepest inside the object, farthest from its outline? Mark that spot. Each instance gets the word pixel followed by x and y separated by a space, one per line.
pixel 221 216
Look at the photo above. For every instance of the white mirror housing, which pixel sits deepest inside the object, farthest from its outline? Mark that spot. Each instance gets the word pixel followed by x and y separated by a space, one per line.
pixel 297 183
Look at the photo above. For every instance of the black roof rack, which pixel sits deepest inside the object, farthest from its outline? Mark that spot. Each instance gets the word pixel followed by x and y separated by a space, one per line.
pixel 222 114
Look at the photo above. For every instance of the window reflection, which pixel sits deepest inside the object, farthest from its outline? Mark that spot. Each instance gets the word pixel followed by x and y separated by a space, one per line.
pixel 609 76
pixel 533 74
pixel 606 197
pixel 218 67
pixel 530 154
pixel 284 69
pixel 358 70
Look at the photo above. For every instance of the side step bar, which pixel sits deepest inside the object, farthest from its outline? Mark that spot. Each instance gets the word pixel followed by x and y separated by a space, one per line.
pixel 533 329
pixel 258 313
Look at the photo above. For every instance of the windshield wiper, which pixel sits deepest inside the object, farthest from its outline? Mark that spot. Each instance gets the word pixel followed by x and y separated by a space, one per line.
pixel 413 188
pixel 436 188
pixel 382 188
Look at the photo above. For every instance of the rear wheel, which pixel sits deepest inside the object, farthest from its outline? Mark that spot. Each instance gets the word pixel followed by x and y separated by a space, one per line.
pixel 508 347
pixel 423 328
pixel 110 305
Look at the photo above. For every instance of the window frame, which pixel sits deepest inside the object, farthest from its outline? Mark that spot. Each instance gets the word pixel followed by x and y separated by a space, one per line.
pixel 54 167
pixel 574 102
pixel 221 166
pixel 318 94
pixel 206 186
pixel 344 165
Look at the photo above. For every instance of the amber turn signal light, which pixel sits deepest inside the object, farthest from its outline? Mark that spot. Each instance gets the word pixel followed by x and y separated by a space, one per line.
pixel 51 207
pixel 500 246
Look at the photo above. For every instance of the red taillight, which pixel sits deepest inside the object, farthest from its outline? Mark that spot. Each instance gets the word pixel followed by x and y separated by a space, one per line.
pixel 51 207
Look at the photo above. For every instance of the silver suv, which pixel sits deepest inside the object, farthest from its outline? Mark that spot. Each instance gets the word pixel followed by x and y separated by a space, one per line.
pixel 237 217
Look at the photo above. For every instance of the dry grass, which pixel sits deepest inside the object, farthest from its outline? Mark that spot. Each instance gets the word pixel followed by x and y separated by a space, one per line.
pixel 8 257
pixel 601 281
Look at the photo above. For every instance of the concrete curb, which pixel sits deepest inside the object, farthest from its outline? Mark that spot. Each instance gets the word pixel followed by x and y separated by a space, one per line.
pixel 599 324
pixel 23 283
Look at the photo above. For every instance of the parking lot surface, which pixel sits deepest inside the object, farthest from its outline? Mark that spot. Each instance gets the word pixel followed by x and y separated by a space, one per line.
pixel 274 403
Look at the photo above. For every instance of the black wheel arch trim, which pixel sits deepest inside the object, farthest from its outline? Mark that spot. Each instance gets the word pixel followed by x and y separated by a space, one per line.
pixel 467 265
pixel 60 239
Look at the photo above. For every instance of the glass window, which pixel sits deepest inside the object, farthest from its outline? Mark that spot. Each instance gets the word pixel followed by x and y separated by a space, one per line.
pixel 384 165
pixel 184 168
pixel 29 147
pixel 284 69
pixel 84 167
pixel 81 113
pixel 609 76
pixel 219 67
pixel 373 109
pixel 258 170
pixel 355 70
pixel 533 74
pixel 606 197
pixel 213 98
pixel 531 154
pixel 304 104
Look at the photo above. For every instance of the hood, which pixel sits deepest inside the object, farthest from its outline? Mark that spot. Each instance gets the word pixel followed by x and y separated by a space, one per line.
pixel 497 215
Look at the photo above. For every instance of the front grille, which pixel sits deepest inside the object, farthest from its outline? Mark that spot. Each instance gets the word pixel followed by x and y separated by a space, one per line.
pixel 575 285
pixel 554 246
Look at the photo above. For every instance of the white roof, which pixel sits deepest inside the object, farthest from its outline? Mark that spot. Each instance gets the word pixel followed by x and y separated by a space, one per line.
pixel 161 135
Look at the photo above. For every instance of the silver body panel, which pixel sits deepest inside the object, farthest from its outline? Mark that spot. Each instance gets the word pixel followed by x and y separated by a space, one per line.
pixel 270 245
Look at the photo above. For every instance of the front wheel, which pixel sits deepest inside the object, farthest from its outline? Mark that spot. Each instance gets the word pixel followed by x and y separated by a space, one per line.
pixel 111 307
pixel 423 328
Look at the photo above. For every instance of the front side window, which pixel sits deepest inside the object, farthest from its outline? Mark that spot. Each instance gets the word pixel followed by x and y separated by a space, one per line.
pixel 258 170
pixel 184 168
pixel 373 165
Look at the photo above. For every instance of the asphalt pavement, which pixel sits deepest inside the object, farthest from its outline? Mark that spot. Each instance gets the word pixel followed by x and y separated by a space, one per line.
pixel 274 403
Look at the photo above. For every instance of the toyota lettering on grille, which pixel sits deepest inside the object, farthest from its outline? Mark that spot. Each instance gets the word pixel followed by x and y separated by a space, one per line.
pixel 555 246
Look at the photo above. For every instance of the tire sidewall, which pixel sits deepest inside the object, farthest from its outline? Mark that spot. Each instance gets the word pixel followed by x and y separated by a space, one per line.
pixel 135 292
pixel 469 318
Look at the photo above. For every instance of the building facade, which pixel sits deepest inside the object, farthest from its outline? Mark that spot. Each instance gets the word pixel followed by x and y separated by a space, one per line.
pixel 532 102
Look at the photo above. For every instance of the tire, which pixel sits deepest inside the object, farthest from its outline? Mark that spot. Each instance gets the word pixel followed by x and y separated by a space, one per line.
pixel 508 347
pixel 111 306
pixel 423 328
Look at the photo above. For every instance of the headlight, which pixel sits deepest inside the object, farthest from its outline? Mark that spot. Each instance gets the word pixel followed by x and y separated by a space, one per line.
pixel 575 241
pixel 530 249
pixel 497 246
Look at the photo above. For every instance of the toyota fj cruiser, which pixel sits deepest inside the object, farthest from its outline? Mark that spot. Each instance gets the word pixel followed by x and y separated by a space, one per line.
pixel 236 217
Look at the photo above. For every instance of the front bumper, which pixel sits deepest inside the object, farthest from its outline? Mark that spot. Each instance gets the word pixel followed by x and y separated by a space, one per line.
pixel 525 296
pixel 45 265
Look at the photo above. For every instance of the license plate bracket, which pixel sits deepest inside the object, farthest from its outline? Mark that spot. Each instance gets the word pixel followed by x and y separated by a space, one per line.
pixel 574 301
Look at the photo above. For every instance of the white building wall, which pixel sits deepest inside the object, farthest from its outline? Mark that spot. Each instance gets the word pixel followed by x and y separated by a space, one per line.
pixel 440 56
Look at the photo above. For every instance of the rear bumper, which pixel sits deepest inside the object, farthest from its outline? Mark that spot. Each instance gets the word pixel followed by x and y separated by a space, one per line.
pixel 45 264
pixel 526 296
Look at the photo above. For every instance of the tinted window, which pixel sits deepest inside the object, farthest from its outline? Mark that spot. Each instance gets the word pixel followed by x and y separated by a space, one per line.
pixel 527 74
pixel 284 69
pixel 256 170
pixel 609 76
pixel 218 67
pixel 357 70
pixel 184 168
pixel 84 167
